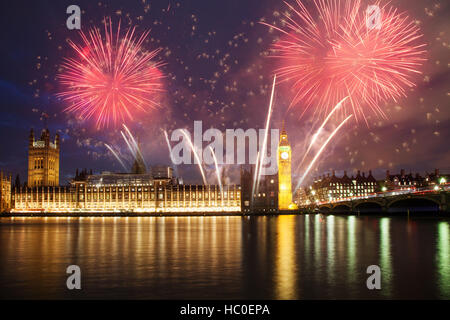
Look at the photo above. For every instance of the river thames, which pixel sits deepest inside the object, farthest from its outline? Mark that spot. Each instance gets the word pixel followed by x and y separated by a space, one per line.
pixel 272 257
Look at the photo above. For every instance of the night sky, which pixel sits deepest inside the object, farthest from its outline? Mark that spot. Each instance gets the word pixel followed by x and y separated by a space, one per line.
pixel 218 72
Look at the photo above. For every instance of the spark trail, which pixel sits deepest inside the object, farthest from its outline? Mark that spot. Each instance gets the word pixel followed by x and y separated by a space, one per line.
pixel 195 155
pixel 315 136
pixel 320 152
pixel 217 172
pixel 135 145
pixel 116 156
pixel 260 157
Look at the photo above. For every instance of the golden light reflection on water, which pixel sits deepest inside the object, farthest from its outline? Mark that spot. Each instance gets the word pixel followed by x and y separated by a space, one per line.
pixel 109 250
pixel 284 257
pixel 286 266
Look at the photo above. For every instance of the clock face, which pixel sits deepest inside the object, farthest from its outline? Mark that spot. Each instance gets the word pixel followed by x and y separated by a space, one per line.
pixel 284 155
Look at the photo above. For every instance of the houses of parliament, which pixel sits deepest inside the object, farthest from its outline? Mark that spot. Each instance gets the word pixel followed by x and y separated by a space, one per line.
pixel 141 191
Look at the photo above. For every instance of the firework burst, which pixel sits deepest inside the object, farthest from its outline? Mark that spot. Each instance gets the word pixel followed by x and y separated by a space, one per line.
pixel 112 79
pixel 338 55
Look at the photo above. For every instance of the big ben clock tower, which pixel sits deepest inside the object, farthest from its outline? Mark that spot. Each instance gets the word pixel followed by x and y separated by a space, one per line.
pixel 284 173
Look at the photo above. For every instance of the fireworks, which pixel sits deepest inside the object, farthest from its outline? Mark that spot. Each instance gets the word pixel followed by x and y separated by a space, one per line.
pixel 320 151
pixel 133 147
pixel 259 162
pixel 111 79
pixel 199 162
pixel 338 55
pixel 316 135
pixel 116 156
pixel 217 172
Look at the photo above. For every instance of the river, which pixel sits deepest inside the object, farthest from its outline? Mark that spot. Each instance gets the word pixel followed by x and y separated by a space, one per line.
pixel 264 257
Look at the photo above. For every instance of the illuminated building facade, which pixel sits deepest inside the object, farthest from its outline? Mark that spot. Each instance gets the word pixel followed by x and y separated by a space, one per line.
pixel 402 181
pixel 109 192
pixel 409 181
pixel 436 178
pixel 332 188
pixel 5 192
pixel 43 160
pixel 284 173
pixel 138 191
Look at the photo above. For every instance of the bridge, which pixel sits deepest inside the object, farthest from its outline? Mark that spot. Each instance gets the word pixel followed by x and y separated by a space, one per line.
pixel 392 202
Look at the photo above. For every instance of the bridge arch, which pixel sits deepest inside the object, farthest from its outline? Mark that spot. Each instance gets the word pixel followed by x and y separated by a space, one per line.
pixel 342 208
pixel 369 207
pixel 325 208
pixel 423 204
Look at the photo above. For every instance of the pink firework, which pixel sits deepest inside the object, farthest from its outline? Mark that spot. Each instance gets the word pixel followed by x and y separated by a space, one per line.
pixel 339 54
pixel 111 79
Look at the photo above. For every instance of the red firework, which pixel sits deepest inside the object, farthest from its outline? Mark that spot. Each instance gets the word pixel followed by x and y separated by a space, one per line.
pixel 338 55
pixel 111 79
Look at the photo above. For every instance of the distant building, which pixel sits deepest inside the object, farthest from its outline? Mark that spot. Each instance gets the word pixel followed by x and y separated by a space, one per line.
pixel 437 178
pixel 5 192
pixel 332 188
pixel 43 160
pixel 246 189
pixel 138 165
pixel 266 199
pixel 409 181
pixel 162 172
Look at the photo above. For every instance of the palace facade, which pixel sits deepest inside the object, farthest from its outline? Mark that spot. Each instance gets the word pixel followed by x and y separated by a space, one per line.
pixel 113 192
pixel 139 191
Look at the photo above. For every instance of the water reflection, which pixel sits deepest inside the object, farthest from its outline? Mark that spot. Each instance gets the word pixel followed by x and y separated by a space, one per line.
pixel 385 257
pixel 443 257
pixel 286 272
pixel 330 248
pixel 285 257
pixel 351 249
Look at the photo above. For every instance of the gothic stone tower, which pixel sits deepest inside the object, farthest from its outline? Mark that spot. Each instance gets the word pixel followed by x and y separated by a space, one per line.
pixel 5 192
pixel 284 172
pixel 43 160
